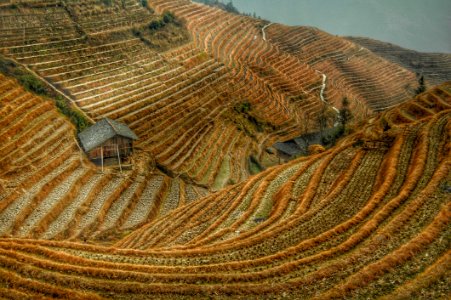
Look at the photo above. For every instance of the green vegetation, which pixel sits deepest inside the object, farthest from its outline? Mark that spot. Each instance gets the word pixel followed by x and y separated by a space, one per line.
pixel 254 166
pixel 163 33
pixel 345 112
pixel 34 85
pixel 332 135
pixel 74 115
pixel 107 2
pixel 156 24
pixel 223 175
pixel 330 130
pixel 242 116
pixel 166 18
pixel 244 107
pixel 421 86
pixel 326 118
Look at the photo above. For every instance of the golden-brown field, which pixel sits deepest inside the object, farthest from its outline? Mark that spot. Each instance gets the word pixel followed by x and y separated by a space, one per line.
pixel 365 219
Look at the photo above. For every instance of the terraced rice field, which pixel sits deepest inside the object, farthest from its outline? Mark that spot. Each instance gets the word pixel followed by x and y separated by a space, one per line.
pixel 50 190
pixel 368 218
pixel 292 59
pixel 435 67
pixel 354 221
pixel 175 100
pixel 180 101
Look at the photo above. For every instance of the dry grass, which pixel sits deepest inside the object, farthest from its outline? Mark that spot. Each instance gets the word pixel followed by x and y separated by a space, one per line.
pixel 330 225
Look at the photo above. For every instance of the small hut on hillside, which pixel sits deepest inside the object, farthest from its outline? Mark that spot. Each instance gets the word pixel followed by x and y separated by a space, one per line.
pixel 287 150
pixel 107 139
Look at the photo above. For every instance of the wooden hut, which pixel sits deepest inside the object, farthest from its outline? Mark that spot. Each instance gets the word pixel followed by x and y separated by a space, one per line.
pixel 287 150
pixel 107 139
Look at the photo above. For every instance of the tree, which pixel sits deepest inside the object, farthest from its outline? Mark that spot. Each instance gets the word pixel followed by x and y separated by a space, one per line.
pixel 168 17
pixel 345 112
pixel 231 8
pixel 322 120
pixel 156 24
pixel 421 86
pixel 305 122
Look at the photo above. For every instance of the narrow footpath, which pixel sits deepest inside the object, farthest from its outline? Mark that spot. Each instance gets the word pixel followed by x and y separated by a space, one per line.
pixel 323 88
pixel 263 31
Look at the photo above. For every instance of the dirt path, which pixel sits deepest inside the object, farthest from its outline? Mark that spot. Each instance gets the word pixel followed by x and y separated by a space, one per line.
pixel 263 31
pixel 323 88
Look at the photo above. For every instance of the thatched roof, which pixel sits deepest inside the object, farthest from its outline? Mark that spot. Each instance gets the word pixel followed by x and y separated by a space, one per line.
pixel 102 131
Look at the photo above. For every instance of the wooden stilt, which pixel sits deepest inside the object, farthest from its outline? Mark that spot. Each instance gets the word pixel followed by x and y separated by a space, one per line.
pixel 101 154
pixel 118 157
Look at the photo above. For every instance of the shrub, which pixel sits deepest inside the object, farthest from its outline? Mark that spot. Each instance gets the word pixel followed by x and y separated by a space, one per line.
pixel 136 32
pixel 345 111
pixel 32 84
pixel 156 24
pixel 76 117
pixel 231 8
pixel 254 165
pixel 243 107
pixel 421 86
pixel 168 17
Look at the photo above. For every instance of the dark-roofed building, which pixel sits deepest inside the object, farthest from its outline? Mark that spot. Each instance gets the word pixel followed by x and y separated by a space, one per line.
pixel 287 150
pixel 293 148
pixel 107 139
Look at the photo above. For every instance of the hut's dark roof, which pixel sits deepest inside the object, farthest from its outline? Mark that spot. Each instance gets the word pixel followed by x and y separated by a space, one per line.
pixel 102 131
pixel 289 148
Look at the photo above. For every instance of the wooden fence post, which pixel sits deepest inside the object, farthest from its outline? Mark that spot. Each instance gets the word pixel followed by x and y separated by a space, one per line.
pixel 101 154
pixel 118 157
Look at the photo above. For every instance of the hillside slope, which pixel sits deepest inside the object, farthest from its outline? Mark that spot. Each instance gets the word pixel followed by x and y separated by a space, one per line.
pixel 182 90
pixel 179 101
pixel 436 67
pixel 292 59
pixel 49 190
pixel 207 92
pixel 367 218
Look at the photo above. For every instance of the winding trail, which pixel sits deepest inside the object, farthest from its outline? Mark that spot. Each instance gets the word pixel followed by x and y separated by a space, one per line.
pixel 323 88
pixel 263 31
